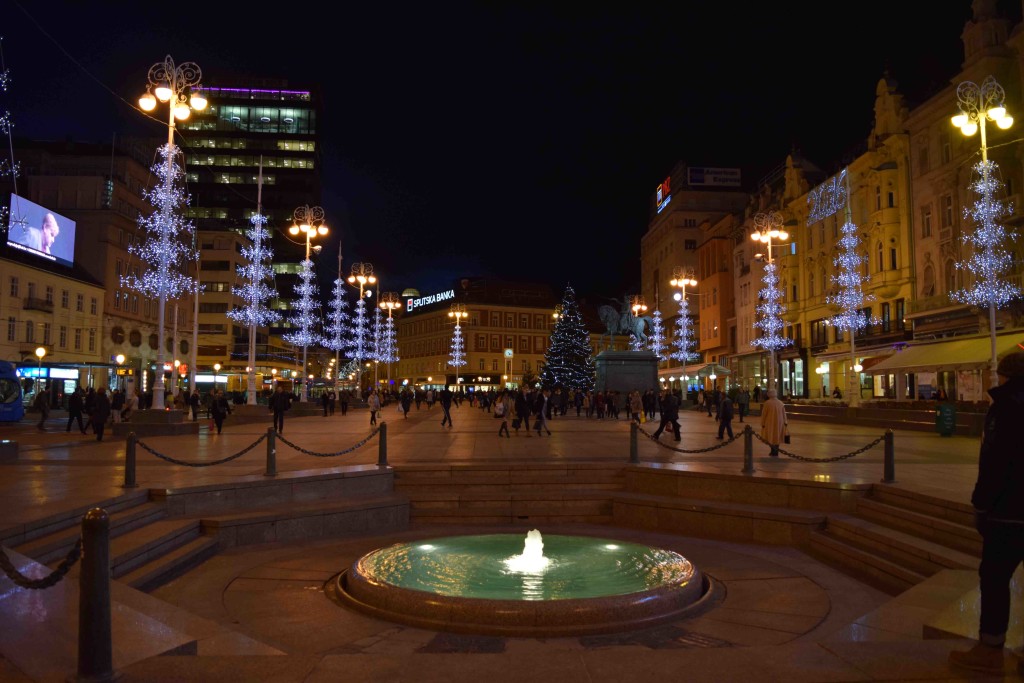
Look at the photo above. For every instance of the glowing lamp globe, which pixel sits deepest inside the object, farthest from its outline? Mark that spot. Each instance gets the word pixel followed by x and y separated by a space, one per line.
pixel 1005 122
pixel 181 111
pixel 197 101
pixel 322 230
pixel 163 93
pixel 960 120
pixel 147 102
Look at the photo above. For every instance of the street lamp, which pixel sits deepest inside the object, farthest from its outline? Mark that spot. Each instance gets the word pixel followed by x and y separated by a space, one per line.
pixel 978 105
pixel 768 226
pixel 361 273
pixel 389 302
pixel 683 338
pixel 216 369
pixel 120 361
pixel 309 221
pixel 458 312
pixel 40 352
pixel 179 86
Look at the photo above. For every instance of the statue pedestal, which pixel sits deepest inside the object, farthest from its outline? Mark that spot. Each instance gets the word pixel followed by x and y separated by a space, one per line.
pixel 157 423
pixel 625 371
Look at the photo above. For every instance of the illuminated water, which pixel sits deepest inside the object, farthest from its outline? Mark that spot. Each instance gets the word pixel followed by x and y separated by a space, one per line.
pixel 491 567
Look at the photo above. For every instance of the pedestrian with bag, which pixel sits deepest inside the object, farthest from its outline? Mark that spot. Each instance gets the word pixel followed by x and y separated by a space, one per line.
pixel 636 405
pixel 669 415
pixel 774 425
pixel 998 517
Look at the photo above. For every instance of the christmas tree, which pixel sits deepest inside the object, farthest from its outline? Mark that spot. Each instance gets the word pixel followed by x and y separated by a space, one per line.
pixel 256 273
pixel 569 361
pixel 360 344
pixel 337 318
pixel 656 342
pixel 683 339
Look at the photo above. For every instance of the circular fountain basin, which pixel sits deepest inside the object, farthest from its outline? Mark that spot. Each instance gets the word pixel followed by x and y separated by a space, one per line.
pixel 489 584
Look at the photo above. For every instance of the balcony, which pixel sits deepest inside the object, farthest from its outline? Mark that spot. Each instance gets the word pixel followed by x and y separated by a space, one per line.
pixel 31 303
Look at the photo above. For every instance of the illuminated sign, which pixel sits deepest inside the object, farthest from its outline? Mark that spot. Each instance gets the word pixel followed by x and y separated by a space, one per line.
pixel 664 195
pixel 37 230
pixel 699 176
pixel 419 302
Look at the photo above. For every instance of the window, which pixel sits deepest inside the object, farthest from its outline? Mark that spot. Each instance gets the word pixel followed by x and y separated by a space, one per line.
pixel 30 332
pixel 926 221
pixel 690 245
pixel 878 252
pixel 891 199
pixel 79 303
pixel 480 364
pixel 495 319
pixel 49 294
pixel 494 365
pixel 886 317
pixel 117 268
pixel 31 290
pixel 135 303
pixel 878 197
pixel 117 300
pixel 794 292
pixel 524 321
pixel 64 298
pixel 947 147
pixel 946 217
pixel 63 336
pixel 928 288
pixel 46 334
pixel 892 258
pixel 14 286
pixel 12 328
pixel 819 333
pixel 92 305
pixel 92 339
pixel 78 339
pixel 901 311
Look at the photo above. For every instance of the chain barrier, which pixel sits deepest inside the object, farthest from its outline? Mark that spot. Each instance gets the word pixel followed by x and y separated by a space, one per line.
pixel 175 461
pixel 685 450
pixel 835 459
pixel 56 575
pixel 350 449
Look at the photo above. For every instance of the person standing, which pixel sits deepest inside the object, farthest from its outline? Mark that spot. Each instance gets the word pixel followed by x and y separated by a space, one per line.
pixel 131 404
pixel 669 415
pixel 636 405
pixel 999 517
pixel 542 407
pixel 193 404
pixel 373 403
pixel 332 398
pixel 324 402
pixel 75 406
pixel 344 402
pixel 522 408
pixel 446 406
pixel 42 404
pixel 101 413
pixel 502 408
pixel 116 404
pixel 725 414
pixel 406 402
pixel 220 409
pixel 773 422
pixel 743 402
pixel 279 403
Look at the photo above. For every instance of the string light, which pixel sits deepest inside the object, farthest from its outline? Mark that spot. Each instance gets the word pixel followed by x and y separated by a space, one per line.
pixel 656 340
pixel 458 354
pixel 769 313
pixel 256 273
pixel 360 328
pixel 683 340
pixel 337 318
pixel 850 280
pixel 569 360
pixel 304 309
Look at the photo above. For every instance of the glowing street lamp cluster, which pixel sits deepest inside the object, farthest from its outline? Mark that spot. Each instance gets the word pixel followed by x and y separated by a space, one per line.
pixel 683 340
pixel 458 354
pixel 768 227
pixel 308 221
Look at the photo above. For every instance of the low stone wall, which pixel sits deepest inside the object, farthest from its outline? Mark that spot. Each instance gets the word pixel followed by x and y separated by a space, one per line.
pixel 967 424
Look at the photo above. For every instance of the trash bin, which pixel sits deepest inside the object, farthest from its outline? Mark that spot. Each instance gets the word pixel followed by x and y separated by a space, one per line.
pixel 945 419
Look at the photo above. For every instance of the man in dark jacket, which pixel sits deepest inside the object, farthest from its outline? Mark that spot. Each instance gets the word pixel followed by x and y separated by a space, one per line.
pixel 446 405
pixel 101 413
pixel 725 416
pixel 279 402
pixel 669 415
pixel 75 407
pixel 999 516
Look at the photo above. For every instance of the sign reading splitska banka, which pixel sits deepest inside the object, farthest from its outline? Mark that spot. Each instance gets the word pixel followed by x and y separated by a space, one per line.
pixel 419 302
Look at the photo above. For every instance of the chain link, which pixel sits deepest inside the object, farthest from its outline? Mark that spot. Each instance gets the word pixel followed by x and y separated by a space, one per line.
pixel 835 459
pixel 175 461
pixel 684 450
pixel 56 575
pixel 354 447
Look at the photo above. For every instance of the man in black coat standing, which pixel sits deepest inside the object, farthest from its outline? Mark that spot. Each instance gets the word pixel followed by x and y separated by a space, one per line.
pixel 100 413
pixel 999 516
pixel 280 402
pixel 725 414
pixel 75 407
pixel 446 405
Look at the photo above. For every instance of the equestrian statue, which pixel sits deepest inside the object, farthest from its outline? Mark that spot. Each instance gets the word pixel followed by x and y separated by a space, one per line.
pixel 622 322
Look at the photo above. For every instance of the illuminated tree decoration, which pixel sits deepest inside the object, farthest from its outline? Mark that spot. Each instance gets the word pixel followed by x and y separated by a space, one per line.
pixel 849 296
pixel 8 167
pixel 458 355
pixel 569 361
pixel 989 258
pixel 656 340
pixel 359 344
pixel 168 236
pixel 769 313
pixel 634 343
pixel 683 340
pixel 305 307
pixel 378 330
pixel 337 318
pixel 388 342
pixel 256 273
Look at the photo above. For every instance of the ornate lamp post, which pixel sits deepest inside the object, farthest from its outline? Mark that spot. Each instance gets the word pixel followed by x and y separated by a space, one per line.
pixel 309 221
pixel 768 227
pixel 120 361
pixel 178 85
pixel 40 352
pixel 458 312
pixel 683 341
pixel 363 274
pixel 978 105
pixel 389 302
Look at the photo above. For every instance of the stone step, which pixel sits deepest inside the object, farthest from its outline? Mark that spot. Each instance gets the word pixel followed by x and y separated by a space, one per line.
pixel 866 566
pixel 920 555
pixel 301 521
pixel 22 533
pixel 140 546
pixel 958 513
pixel 55 546
pixel 950 534
pixel 162 569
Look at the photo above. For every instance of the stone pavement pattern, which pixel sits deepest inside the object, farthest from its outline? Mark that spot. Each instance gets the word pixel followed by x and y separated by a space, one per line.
pixel 785 616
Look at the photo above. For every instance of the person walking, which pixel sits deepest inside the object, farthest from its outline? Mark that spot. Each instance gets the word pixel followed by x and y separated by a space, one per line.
pixel 373 403
pixel 75 405
pixel 324 402
pixel 193 404
pixel 522 408
pixel 502 407
pixel 725 414
pixel 42 404
pixel 669 415
pixel 279 403
pixel 743 402
pixel 101 413
pixel 636 405
pixel 446 406
pixel 343 397
pixel 406 402
pixel 332 399
pixel 220 409
pixel 131 404
pixel 773 422
pixel 116 404
pixel 541 407
pixel 999 517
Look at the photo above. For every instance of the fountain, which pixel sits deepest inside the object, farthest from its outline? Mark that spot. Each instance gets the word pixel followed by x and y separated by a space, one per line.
pixel 556 586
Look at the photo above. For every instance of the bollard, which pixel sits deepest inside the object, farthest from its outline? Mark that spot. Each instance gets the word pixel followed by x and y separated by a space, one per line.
pixel 129 461
pixel 889 474
pixel 95 650
pixel 271 453
pixel 748 450
pixel 382 452
pixel 634 451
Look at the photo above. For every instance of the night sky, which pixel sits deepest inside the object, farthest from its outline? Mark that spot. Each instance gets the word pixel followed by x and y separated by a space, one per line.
pixel 500 139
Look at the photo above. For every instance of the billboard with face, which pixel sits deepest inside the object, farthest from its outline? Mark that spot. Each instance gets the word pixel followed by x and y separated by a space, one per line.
pixel 38 231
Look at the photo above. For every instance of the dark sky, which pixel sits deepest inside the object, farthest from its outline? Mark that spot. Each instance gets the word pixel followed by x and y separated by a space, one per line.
pixel 504 139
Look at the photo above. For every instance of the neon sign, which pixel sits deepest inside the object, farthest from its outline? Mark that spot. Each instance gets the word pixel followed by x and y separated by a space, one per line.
pixel 664 195
pixel 419 302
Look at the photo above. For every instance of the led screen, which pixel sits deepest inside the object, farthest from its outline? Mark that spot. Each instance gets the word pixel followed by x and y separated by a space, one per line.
pixel 38 231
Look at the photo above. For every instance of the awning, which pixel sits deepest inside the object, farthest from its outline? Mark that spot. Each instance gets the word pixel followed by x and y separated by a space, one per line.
pixel 706 370
pixel 954 354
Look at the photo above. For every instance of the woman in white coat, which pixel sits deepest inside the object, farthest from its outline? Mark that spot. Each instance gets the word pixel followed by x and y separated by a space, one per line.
pixel 773 422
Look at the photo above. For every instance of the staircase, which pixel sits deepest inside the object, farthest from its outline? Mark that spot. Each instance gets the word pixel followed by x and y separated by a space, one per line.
pixel 896 539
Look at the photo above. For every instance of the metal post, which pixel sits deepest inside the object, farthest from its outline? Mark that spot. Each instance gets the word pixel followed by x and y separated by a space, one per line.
pixel 889 475
pixel 271 453
pixel 382 453
pixel 129 461
pixel 748 450
pixel 95 651
pixel 634 450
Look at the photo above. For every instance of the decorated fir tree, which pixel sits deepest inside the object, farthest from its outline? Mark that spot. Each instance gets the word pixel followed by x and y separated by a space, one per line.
pixel 656 342
pixel 569 361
